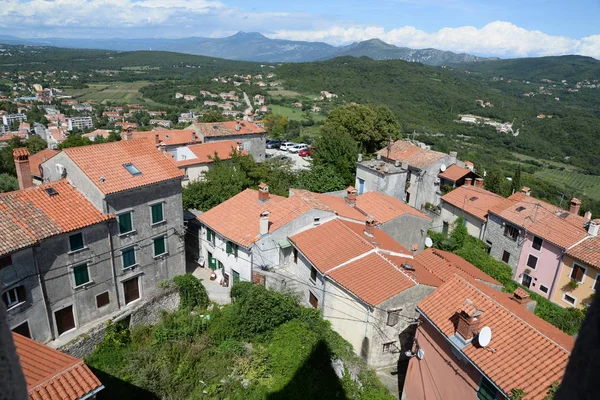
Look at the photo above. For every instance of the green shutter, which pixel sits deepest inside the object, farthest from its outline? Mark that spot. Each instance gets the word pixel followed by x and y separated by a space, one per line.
pixel 235 250
pixel 236 276
pixel 157 213
pixel 128 257
pixel 76 241
pixel 486 391
pixel 159 246
pixel 212 263
pixel 81 274
pixel 125 223
pixel 228 246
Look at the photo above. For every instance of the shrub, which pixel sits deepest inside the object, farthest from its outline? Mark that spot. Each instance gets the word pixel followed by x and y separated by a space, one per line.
pixel 192 293
pixel 239 289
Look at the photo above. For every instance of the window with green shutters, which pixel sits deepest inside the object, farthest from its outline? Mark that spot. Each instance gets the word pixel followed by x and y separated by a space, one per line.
pixel 160 246
pixel 157 213
pixel 125 223
pixel 231 248
pixel 76 242
pixel 487 391
pixel 81 274
pixel 210 236
pixel 128 257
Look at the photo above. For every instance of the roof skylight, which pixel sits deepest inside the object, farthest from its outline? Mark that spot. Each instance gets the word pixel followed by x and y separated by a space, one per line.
pixel 132 169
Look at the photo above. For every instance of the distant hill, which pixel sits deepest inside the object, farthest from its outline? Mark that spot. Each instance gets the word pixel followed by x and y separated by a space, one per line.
pixel 253 46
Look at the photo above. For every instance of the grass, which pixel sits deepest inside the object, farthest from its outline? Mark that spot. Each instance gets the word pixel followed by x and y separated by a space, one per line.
pixel 116 92
pixel 589 185
pixel 294 113
pixel 284 93
pixel 556 164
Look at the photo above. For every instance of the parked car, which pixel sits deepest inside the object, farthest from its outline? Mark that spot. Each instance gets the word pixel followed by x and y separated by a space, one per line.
pixel 273 144
pixel 286 145
pixel 297 148
pixel 304 152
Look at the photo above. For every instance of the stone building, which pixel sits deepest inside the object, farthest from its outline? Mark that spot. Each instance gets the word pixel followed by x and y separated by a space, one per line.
pixel 253 138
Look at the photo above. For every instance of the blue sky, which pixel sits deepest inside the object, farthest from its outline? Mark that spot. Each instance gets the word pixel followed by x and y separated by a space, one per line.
pixel 504 28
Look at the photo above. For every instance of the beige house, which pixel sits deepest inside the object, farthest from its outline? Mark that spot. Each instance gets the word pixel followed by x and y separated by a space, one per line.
pixel 194 160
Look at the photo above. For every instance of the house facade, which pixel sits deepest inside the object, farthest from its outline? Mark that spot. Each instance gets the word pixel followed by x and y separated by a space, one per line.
pixel 195 160
pixel 253 138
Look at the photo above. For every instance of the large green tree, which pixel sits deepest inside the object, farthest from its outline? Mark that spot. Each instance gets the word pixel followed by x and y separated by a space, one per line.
pixel 276 125
pixel 8 183
pixel 75 141
pixel 338 150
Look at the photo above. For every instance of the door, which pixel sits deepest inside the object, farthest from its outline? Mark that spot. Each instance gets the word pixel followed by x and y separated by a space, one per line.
pixel 361 186
pixel 65 320
pixel 526 281
pixel 132 290
pixel 23 329
pixel 445 228
pixel 236 276
pixel 212 262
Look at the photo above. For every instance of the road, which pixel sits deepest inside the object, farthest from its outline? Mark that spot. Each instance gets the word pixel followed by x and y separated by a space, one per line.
pixel 299 162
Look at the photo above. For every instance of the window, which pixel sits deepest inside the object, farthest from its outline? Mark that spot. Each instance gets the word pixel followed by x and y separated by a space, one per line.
pixel 596 285
pixel 312 299
pixel 65 320
pixel 511 232
pixel 486 391
pixel 210 236
pixel 23 329
pixel 537 242
pixel 578 273
pixel 388 347
pixel 157 213
pixel 393 317
pixel 81 274
pixel 236 276
pixel 14 296
pixel 103 299
pixel 313 274
pixel 543 289
pixel 132 169
pixel 505 257
pixel 445 228
pixel 295 256
pixel 532 261
pixel 569 299
pixel 125 223
pixel 5 261
pixel 160 246
pixel 231 248
pixel 76 241
pixel 131 290
pixel 128 257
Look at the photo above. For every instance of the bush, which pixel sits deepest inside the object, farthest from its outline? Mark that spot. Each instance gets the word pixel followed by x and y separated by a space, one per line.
pixel 475 252
pixel 239 289
pixel 192 293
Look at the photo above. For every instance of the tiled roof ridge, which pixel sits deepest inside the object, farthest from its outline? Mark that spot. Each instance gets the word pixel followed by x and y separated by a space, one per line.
pixel 75 363
pixel 77 149
pixel 398 268
pixel 17 221
pixel 521 320
pixel 538 202
pixel 350 261
pixel 354 233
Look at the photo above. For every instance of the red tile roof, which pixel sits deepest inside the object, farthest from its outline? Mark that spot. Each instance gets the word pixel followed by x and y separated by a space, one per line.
pixel 415 156
pixel 98 132
pixel 542 219
pixel 36 159
pixel 52 375
pixel 420 273
pixel 205 152
pixel 380 239
pixel 104 164
pixel 587 251
pixel 169 137
pixel 340 207
pixel 454 173
pixel 473 200
pixel 30 215
pixel 372 278
pixel 213 129
pixel 383 207
pixel 525 352
pixel 445 265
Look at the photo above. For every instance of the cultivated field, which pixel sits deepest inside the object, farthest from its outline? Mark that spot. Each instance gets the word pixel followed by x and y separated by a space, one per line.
pixel 294 113
pixel 116 92
pixel 588 184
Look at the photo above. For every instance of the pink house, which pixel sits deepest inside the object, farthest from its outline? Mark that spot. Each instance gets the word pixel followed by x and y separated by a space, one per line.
pixel 450 358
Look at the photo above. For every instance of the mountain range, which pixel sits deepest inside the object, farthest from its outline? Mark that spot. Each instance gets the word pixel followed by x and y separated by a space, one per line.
pixel 254 46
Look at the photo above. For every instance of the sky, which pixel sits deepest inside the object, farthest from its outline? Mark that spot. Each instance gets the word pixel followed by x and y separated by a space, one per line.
pixel 501 28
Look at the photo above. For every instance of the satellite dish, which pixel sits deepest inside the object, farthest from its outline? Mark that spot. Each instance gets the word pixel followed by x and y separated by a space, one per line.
pixel 428 242
pixel 443 167
pixel 484 337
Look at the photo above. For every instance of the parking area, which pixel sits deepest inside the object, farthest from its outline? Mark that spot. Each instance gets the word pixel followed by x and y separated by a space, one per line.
pixel 298 162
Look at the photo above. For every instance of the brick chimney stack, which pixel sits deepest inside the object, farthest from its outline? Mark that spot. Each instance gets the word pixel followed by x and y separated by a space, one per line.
pixel 588 215
pixel 468 320
pixel 263 192
pixel 479 182
pixel 21 158
pixel 156 139
pixel 370 223
pixel 468 181
pixel 351 194
pixel 575 205
pixel 127 135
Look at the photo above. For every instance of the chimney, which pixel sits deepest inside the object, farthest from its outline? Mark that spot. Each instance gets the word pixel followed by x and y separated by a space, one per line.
pixel 264 223
pixel 127 135
pixel 593 227
pixel 521 296
pixel 237 126
pixel 468 181
pixel 156 139
pixel 163 148
pixel 21 158
pixel 479 182
pixel 469 165
pixel 468 320
pixel 397 163
pixel 405 165
pixel 587 215
pixel 370 223
pixel 526 190
pixel 378 156
pixel 360 157
pixel 575 205
pixel 351 194
pixel 263 192
pixel 240 146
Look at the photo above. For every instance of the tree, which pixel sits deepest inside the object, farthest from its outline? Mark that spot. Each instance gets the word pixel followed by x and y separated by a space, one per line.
pixel 276 125
pixel 212 116
pixel 8 183
pixel 370 126
pixel 493 182
pixel 337 149
pixel 35 144
pixel 75 141
pixel 516 181
pixel 321 179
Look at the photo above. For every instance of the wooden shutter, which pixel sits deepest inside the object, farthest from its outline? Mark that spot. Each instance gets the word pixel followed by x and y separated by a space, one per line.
pixel 21 294
pixel 65 320
pixel 578 273
pixel 132 290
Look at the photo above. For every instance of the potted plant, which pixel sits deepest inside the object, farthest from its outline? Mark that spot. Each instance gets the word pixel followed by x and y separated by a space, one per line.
pixel 573 285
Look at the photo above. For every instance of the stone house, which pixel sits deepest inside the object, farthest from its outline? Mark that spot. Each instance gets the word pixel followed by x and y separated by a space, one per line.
pixel 456 176
pixel 194 160
pixel 253 138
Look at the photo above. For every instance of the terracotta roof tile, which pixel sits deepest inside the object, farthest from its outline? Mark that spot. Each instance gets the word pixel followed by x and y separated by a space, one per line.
pixel 542 219
pixel 30 215
pixel 98 132
pixel 52 375
pixel 587 251
pixel 404 151
pixel 445 265
pixel 514 329
pixel 383 207
pixel 380 239
pixel 205 152
pixel 454 173
pixel 372 278
pixel 473 200
pixel 169 137
pixel 36 159
pixel 420 273
pixel 340 207
pixel 107 161
pixel 214 129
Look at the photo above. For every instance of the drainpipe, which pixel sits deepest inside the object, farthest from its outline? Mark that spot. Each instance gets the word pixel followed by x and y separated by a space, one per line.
pixel 44 294
pixel 112 265
pixel 558 270
pixel 323 296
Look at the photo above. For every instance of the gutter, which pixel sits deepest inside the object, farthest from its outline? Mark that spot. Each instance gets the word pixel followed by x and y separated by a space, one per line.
pixel 92 393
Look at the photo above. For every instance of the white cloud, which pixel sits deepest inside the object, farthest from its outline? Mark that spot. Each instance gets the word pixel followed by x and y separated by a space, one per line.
pixel 498 38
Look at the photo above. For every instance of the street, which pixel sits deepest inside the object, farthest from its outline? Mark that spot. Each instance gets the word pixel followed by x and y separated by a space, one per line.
pixel 298 162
